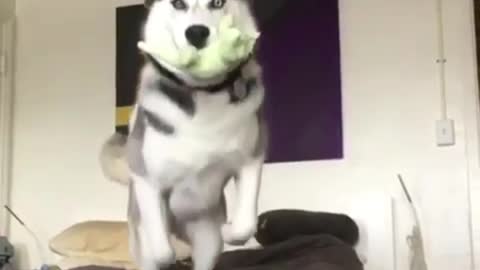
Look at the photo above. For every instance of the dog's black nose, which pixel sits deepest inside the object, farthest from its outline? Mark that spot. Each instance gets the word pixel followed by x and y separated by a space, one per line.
pixel 197 35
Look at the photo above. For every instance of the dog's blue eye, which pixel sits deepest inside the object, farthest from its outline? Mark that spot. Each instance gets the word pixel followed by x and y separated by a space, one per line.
pixel 217 4
pixel 179 4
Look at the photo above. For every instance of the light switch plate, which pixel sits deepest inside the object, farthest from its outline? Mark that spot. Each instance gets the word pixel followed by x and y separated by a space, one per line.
pixel 445 130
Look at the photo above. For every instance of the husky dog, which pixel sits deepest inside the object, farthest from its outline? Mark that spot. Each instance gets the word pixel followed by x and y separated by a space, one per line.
pixel 187 138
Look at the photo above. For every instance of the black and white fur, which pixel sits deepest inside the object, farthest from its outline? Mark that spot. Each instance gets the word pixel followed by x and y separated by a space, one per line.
pixel 187 139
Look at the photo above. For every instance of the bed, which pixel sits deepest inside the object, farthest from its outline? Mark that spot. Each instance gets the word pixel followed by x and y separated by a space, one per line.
pixel 290 239
pixel 321 252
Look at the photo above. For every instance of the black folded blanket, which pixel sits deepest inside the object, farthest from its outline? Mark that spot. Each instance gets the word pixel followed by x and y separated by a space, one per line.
pixel 318 252
pixel 281 225
pixel 296 239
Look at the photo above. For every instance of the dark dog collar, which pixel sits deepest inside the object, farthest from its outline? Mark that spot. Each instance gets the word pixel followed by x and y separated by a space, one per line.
pixel 229 80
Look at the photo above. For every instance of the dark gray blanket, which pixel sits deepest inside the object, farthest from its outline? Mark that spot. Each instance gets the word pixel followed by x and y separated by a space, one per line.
pixel 293 240
pixel 320 252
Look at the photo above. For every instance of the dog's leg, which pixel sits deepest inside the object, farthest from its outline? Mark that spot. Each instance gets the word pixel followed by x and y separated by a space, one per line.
pixel 133 223
pixel 153 243
pixel 244 219
pixel 199 207
pixel 206 241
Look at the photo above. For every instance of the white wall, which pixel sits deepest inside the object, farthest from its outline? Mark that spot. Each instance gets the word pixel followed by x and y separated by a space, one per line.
pixel 65 109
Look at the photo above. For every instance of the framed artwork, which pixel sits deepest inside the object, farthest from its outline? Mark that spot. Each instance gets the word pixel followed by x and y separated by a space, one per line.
pixel 299 51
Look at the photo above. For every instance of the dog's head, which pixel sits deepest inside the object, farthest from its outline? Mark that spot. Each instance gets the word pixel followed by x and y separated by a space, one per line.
pixel 195 23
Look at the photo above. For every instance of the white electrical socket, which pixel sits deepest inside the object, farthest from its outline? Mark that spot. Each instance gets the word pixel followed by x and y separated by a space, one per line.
pixel 445 132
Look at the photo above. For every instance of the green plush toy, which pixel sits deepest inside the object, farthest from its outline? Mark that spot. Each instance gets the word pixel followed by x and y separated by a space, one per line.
pixel 230 48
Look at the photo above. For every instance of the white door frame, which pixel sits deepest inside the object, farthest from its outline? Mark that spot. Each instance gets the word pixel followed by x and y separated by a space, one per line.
pixel 472 140
pixel 7 30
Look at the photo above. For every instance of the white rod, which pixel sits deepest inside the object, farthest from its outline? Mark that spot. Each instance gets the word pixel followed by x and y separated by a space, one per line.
pixel 394 233
pixel 441 60
pixel 6 123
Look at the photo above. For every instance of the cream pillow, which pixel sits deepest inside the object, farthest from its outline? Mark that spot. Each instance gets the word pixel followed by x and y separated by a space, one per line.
pixel 102 241
pixel 74 263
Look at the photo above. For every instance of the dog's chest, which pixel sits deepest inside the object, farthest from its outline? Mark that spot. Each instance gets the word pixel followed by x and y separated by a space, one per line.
pixel 218 130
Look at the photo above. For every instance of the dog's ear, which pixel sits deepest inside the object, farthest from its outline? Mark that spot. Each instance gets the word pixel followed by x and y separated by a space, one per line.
pixel 148 3
pixel 265 10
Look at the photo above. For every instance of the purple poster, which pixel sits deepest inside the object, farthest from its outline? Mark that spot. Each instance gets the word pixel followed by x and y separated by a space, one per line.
pixel 300 55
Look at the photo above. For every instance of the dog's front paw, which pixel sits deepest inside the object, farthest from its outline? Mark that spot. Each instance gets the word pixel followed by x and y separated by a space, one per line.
pixel 238 234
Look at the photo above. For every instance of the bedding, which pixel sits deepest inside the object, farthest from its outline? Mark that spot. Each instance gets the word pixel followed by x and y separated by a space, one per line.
pixel 291 240
pixel 280 225
pixel 102 243
pixel 320 252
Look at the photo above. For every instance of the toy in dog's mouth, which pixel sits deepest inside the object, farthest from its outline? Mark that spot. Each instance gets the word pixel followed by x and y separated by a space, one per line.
pixel 230 48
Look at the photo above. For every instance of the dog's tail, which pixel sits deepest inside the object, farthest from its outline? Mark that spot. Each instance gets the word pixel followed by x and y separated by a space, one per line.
pixel 113 159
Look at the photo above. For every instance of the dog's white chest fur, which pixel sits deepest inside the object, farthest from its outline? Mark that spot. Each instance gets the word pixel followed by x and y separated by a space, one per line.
pixel 218 130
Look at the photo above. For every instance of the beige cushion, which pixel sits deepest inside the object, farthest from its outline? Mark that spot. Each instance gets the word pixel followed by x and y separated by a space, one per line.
pixel 102 241
pixel 73 263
